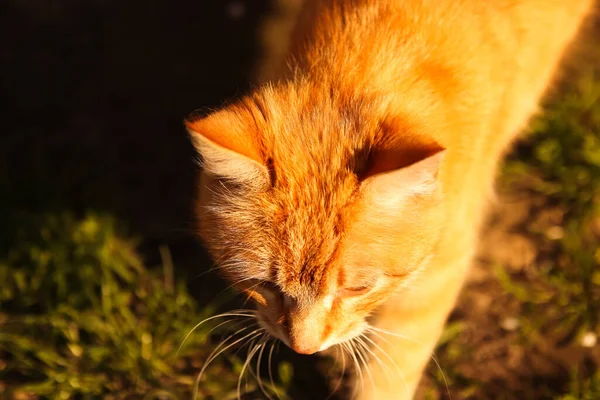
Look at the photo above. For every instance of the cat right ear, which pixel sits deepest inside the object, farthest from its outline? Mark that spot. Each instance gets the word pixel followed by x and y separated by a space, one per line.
pixel 229 148
pixel 403 170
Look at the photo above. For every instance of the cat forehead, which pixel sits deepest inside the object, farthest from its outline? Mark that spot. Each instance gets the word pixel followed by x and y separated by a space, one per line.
pixel 306 242
pixel 304 238
pixel 317 277
pixel 311 275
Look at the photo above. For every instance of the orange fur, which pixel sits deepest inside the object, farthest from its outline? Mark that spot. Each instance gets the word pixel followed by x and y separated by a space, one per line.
pixel 355 182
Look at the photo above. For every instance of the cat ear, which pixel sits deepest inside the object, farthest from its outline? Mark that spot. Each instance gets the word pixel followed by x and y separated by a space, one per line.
pixel 229 149
pixel 394 174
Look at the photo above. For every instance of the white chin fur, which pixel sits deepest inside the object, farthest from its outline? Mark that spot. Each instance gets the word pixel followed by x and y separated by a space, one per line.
pixel 325 346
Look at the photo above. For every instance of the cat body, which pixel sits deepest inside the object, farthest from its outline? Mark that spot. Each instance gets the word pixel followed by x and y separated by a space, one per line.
pixel 352 186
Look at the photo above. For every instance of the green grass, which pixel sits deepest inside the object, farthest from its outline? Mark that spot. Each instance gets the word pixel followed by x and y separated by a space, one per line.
pixel 563 154
pixel 83 318
pixel 557 165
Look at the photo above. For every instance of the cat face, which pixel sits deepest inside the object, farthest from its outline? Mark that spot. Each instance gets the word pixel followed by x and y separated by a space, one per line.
pixel 315 213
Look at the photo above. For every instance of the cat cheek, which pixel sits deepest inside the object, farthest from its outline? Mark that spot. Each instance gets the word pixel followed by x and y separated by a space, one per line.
pixel 272 310
pixel 370 302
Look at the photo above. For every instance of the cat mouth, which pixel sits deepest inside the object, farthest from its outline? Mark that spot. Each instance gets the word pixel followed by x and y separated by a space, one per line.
pixel 278 331
pixel 275 330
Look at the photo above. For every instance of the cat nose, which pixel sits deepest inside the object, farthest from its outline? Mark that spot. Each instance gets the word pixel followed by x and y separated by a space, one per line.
pixel 305 324
pixel 302 347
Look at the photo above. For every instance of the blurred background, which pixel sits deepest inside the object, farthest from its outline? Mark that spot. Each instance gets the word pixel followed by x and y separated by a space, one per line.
pixel 101 277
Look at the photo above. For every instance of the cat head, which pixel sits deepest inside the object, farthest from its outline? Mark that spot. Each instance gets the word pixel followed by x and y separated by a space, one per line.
pixel 318 208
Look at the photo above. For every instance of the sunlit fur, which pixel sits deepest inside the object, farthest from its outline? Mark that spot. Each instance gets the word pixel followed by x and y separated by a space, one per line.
pixel 355 183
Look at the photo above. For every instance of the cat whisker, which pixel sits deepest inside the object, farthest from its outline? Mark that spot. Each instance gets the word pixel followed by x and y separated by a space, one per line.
pixel 359 350
pixel 201 274
pixel 383 365
pixel 240 281
pixel 350 348
pixel 234 284
pixel 344 348
pixel 249 357
pixel 231 264
pixel 398 369
pixel 371 328
pixel 218 351
pixel 258 377
pixel 235 313
pixel 251 346
pixel 271 370
pixel 217 327
pixel 339 383
pixel 435 360
pixel 432 355
pixel 237 319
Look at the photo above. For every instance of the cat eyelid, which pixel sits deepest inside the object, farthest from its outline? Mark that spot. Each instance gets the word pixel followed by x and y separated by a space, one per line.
pixel 354 291
pixel 397 275
pixel 358 290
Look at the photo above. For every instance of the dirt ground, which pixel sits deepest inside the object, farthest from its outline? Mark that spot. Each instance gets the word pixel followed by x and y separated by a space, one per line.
pixel 500 354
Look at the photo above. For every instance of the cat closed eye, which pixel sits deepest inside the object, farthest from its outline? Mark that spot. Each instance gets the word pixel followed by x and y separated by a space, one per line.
pixel 354 291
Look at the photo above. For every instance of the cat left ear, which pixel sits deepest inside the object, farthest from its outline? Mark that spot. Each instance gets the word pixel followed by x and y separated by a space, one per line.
pixel 229 148
pixel 395 173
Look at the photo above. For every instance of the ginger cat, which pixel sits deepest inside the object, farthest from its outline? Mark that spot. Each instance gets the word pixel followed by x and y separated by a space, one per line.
pixel 345 196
